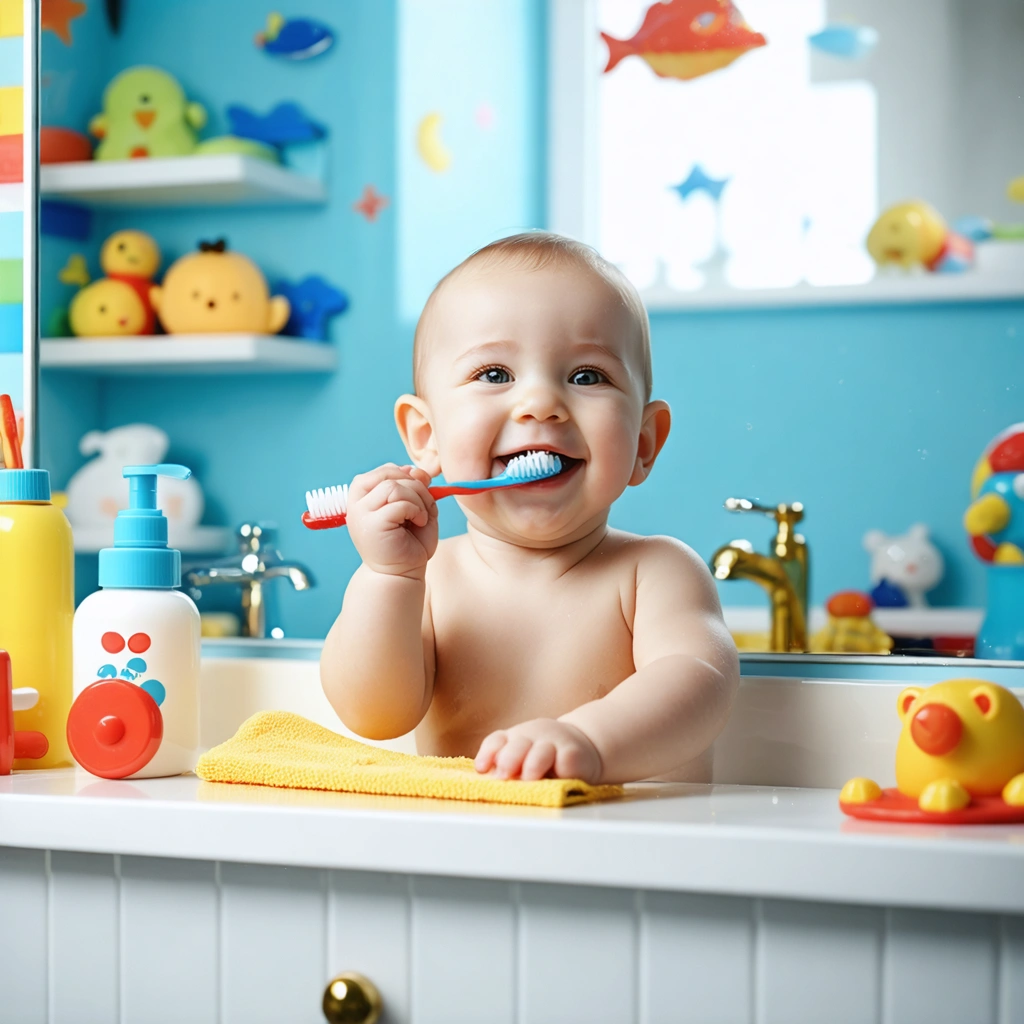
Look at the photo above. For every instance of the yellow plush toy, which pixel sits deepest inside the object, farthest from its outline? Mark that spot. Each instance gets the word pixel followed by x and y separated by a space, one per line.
pixel 214 291
pixel 107 309
pixel 145 113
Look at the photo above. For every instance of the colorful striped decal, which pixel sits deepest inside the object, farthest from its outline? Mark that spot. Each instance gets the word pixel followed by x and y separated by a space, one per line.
pixel 11 219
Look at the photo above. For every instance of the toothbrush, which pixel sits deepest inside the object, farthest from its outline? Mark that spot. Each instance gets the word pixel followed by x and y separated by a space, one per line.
pixel 326 507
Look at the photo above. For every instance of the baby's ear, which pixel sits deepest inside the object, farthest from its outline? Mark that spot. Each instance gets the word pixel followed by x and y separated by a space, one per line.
pixel 654 428
pixel 412 417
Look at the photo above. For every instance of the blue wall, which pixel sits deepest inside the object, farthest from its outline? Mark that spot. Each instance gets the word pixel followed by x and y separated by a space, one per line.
pixel 873 417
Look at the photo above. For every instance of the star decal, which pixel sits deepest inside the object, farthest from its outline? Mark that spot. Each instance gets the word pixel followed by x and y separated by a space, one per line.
pixel 370 203
pixel 57 15
pixel 698 181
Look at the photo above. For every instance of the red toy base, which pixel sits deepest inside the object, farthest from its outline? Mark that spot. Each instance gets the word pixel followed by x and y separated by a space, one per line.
pixel 892 805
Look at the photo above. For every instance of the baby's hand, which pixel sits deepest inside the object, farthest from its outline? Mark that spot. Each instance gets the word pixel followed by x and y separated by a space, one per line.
pixel 392 519
pixel 539 748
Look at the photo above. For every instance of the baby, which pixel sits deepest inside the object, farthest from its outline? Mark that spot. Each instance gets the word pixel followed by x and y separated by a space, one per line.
pixel 541 641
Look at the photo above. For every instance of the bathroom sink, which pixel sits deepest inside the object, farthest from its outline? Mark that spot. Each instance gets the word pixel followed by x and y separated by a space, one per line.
pixel 798 721
pixel 233 687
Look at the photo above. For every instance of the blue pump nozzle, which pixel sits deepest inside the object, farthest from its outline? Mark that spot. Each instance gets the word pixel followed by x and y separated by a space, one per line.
pixel 140 556
pixel 142 486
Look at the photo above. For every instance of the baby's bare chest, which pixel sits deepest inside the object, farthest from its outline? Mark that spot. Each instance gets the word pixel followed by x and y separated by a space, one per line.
pixel 505 654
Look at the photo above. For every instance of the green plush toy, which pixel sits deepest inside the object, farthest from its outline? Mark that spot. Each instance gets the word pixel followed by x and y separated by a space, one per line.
pixel 145 113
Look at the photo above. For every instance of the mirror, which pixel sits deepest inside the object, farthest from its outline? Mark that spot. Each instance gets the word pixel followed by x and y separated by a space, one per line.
pixel 18 223
pixel 798 372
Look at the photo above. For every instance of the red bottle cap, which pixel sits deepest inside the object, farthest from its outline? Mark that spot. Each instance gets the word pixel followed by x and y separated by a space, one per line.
pixel 114 728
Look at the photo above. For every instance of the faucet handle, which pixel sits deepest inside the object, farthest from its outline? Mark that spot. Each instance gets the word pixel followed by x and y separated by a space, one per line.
pixel 782 513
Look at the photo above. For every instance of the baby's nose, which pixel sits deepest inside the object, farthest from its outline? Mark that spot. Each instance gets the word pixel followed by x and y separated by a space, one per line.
pixel 540 402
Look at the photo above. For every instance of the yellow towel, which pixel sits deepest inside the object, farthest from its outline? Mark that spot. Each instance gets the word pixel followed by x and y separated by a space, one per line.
pixel 277 748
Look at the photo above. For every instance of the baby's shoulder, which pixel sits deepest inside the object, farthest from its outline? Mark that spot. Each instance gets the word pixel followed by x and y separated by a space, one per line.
pixel 656 555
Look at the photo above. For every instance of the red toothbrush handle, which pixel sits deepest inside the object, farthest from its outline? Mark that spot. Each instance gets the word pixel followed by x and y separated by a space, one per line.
pixel 327 523
pixel 447 490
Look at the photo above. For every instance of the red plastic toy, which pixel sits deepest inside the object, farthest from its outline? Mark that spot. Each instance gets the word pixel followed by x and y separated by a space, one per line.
pixel 24 743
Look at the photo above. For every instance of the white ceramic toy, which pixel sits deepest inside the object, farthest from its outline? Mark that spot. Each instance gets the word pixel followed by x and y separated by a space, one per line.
pixel 98 491
pixel 908 562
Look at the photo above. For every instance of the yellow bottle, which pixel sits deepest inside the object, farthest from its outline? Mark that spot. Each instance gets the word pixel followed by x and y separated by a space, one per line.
pixel 37 606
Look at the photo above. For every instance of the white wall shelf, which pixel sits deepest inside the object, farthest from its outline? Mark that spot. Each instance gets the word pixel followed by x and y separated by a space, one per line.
pixel 187 354
pixel 221 180
pixel 883 290
pixel 197 540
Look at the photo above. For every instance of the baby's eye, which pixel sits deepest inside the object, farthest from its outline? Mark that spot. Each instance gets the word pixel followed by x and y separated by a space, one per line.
pixel 587 376
pixel 494 375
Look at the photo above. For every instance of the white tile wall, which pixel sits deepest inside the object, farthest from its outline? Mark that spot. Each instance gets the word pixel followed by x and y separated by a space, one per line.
pixel 89 938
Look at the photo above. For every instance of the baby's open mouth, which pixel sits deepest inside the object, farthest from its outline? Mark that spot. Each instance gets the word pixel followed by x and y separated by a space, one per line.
pixel 567 461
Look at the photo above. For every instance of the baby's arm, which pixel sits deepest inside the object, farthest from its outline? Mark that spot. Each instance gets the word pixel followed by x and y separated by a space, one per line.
pixel 377 665
pixel 687 671
pixel 666 713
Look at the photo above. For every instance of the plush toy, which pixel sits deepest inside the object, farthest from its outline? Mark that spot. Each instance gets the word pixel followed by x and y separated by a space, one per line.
pixel 145 113
pixel 133 258
pixel 98 491
pixel 214 291
pixel 914 234
pixel 106 309
pixel 903 568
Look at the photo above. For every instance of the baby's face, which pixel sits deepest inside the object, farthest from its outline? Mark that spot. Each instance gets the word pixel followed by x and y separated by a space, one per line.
pixel 517 360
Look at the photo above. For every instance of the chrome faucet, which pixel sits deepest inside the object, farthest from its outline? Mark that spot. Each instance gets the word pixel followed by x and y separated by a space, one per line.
pixel 257 562
pixel 782 573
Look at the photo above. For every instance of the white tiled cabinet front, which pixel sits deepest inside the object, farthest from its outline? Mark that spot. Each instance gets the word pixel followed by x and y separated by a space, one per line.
pixel 90 938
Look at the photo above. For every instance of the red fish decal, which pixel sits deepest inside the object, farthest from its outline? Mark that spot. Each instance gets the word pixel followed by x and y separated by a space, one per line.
pixel 687 38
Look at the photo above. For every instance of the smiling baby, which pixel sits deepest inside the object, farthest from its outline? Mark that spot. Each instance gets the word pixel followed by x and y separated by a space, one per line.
pixel 541 641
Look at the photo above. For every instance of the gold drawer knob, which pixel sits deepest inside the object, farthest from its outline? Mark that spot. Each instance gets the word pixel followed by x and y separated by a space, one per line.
pixel 352 999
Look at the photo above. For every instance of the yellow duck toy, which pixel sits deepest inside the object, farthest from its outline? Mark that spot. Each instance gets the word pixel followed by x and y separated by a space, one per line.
pixel 849 629
pixel 959 759
pixel 214 291
pixel 914 234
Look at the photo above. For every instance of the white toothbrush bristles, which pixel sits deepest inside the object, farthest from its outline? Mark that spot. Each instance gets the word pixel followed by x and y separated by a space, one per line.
pixel 533 465
pixel 327 502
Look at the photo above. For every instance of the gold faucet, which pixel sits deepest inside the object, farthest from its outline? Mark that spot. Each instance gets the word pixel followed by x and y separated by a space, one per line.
pixel 783 573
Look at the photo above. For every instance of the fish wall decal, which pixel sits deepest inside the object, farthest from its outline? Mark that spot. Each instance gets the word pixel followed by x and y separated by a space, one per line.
pixel 685 39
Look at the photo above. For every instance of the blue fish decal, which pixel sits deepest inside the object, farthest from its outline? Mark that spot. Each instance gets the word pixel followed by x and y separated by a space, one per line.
pixel 285 125
pixel 849 41
pixel 296 38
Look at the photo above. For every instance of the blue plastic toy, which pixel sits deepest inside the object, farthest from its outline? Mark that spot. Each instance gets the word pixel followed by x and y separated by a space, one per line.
pixel 285 125
pixel 995 523
pixel 295 39
pixel 313 303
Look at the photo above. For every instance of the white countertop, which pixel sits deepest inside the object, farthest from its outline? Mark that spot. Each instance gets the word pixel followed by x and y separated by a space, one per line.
pixel 749 840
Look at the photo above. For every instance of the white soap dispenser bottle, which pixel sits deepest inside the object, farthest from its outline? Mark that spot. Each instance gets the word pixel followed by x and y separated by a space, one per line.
pixel 136 650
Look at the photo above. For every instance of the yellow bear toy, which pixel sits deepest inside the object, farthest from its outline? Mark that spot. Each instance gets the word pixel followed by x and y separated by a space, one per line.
pixel 214 291
pixel 960 740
